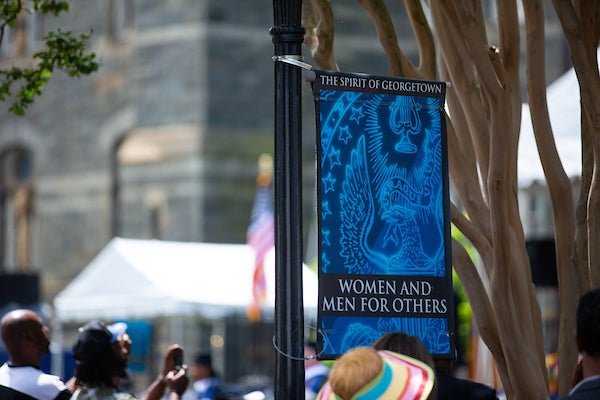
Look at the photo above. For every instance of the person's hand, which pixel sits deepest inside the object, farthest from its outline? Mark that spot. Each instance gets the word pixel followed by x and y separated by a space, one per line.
pixel 169 363
pixel 177 381
pixel 71 384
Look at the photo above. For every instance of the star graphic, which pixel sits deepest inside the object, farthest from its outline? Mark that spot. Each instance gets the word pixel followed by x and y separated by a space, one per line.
pixel 324 262
pixel 357 114
pixel 325 210
pixel 328 182
pixel 325 237
pixel 334 158
pixel 345 134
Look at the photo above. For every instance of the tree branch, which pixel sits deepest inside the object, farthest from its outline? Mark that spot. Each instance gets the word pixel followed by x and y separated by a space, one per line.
pixel 398 62
pixel 475 236
pixel 480 305
pixel 465 83
pixel 317 18
pixel 465 20
pixel 424 38
pixel 463 172
pixel 559 186
pixel 509 56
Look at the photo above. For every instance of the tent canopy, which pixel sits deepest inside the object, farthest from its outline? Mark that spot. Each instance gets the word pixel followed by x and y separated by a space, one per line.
pixel 132 278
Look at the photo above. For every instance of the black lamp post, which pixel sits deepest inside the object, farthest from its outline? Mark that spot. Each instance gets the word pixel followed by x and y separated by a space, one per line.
pixel 287 35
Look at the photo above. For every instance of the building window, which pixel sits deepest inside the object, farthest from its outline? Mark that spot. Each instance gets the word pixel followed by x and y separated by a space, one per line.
pixel 533 203
pixel 16 207
pixel 121 19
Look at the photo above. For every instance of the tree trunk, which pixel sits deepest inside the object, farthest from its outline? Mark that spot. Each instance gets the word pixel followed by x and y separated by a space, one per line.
pixel 559 185
pixel 581 24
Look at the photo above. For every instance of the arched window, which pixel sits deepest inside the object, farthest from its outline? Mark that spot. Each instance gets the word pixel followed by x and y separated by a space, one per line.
pixel 138 202
pixel 16 207
pixel 153 169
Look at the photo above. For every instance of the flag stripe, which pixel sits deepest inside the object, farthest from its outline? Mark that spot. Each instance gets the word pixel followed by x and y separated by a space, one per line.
pixel 261 237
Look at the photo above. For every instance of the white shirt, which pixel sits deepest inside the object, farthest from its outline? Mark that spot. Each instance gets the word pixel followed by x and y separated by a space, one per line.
pixel 31 381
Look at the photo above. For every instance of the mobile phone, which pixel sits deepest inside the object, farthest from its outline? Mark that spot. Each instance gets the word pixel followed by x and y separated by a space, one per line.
pixel 178 359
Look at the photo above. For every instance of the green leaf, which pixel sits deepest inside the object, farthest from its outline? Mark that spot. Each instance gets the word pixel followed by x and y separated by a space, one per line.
pixel 62 50
pixel 17 110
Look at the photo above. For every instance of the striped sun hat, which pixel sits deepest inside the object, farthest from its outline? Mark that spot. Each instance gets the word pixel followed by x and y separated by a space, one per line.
pixel 401 378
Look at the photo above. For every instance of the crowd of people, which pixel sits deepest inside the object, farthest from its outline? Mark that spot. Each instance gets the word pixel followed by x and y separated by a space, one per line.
pixel 397 366
pixel 101 354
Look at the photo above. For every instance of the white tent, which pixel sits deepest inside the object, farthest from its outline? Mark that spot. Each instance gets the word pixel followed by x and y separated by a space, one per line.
pixel 565 118
pixel 133 278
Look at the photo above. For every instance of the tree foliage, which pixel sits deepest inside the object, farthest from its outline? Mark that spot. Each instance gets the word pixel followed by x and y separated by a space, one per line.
pixel 62 50
pixel 483 123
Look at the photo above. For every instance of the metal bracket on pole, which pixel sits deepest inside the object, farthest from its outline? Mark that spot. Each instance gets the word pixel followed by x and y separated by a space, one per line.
pixel 294 60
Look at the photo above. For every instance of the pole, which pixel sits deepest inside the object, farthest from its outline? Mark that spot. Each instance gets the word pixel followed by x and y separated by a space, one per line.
pixel 287 36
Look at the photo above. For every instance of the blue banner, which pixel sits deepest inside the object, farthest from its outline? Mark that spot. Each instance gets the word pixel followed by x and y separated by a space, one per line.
pixel 383 202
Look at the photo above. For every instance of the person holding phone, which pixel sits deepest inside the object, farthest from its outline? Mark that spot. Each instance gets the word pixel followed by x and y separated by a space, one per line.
pixel 178 359
pixel 101 355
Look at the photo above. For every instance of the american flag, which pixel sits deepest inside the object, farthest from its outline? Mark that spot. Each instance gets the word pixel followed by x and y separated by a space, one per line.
pixel 261 237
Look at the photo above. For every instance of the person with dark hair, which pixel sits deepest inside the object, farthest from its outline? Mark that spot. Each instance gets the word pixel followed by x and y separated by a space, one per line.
pixel 408 345
pixel 101 355
pixel 587 335
pixel 205 380
pixel 447 387
pixel 26 340
pixel 404 343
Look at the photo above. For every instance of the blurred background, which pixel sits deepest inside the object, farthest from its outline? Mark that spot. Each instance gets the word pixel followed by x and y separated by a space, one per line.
pixel 162 143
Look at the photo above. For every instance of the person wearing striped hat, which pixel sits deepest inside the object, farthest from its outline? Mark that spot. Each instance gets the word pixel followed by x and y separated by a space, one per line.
pixel 363 373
